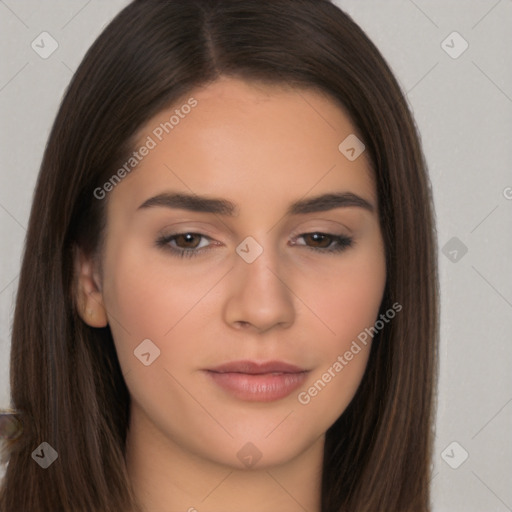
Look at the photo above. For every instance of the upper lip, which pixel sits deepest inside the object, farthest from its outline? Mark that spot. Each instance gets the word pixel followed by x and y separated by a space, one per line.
pixel 255 368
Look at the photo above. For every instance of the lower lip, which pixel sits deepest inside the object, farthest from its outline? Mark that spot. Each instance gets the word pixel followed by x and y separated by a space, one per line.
pixel 265 387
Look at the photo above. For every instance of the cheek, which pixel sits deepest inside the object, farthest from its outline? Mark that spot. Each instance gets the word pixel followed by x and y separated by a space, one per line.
pixel 347 299
pixel 342 357
pixel 348 305
pixel 149 300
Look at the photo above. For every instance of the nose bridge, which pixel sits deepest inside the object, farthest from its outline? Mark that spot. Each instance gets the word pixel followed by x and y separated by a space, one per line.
pixel 259 294
pixel 261 274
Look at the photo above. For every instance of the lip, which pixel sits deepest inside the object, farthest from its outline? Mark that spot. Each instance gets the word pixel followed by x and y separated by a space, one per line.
pixel 254 368
pixel 258 382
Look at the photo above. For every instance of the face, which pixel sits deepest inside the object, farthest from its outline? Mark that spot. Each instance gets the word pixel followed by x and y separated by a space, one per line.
pixel 236 321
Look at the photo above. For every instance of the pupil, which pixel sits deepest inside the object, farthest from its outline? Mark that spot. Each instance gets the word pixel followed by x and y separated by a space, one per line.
pixel 323 238
pixel 188 238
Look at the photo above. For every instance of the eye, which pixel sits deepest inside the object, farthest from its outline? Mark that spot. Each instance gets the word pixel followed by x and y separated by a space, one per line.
pixel 326 242
pixel 189 242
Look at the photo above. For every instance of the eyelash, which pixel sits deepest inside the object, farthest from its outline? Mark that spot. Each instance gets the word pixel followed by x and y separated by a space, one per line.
pixel 343 243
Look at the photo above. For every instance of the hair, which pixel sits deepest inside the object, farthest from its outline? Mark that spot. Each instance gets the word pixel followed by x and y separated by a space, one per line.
pixel 67 388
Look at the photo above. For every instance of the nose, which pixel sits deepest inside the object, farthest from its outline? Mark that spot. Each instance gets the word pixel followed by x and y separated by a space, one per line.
pixel 260 298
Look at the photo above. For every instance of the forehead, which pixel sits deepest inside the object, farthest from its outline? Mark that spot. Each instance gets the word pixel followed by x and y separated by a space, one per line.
pixel 248 140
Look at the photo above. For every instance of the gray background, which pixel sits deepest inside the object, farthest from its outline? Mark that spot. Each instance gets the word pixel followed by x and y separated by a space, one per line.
pixel 463 108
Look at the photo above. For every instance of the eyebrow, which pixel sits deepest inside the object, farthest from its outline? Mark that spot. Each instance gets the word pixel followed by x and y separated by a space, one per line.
pixel 195 203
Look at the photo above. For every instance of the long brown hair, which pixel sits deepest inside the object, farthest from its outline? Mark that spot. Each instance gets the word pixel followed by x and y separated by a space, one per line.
pixel 66 383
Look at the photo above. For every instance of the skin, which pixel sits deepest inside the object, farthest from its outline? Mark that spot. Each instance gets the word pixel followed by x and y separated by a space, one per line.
pixel 261 147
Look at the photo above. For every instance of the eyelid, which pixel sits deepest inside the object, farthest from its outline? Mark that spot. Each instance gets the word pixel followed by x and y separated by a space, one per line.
pixel 332 230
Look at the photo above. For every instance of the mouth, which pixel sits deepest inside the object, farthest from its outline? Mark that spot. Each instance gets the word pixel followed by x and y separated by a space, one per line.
pixel 258 382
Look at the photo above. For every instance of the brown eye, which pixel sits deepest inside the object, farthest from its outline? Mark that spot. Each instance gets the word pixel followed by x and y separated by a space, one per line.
pixel 187 239
pixel 319 239
pixel 184 244
pixel 326 243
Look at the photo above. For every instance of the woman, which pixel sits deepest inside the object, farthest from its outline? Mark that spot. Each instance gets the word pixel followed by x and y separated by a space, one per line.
pixel 228 297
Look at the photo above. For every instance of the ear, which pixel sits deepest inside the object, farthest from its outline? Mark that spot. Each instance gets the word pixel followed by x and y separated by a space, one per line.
pixel 89 298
